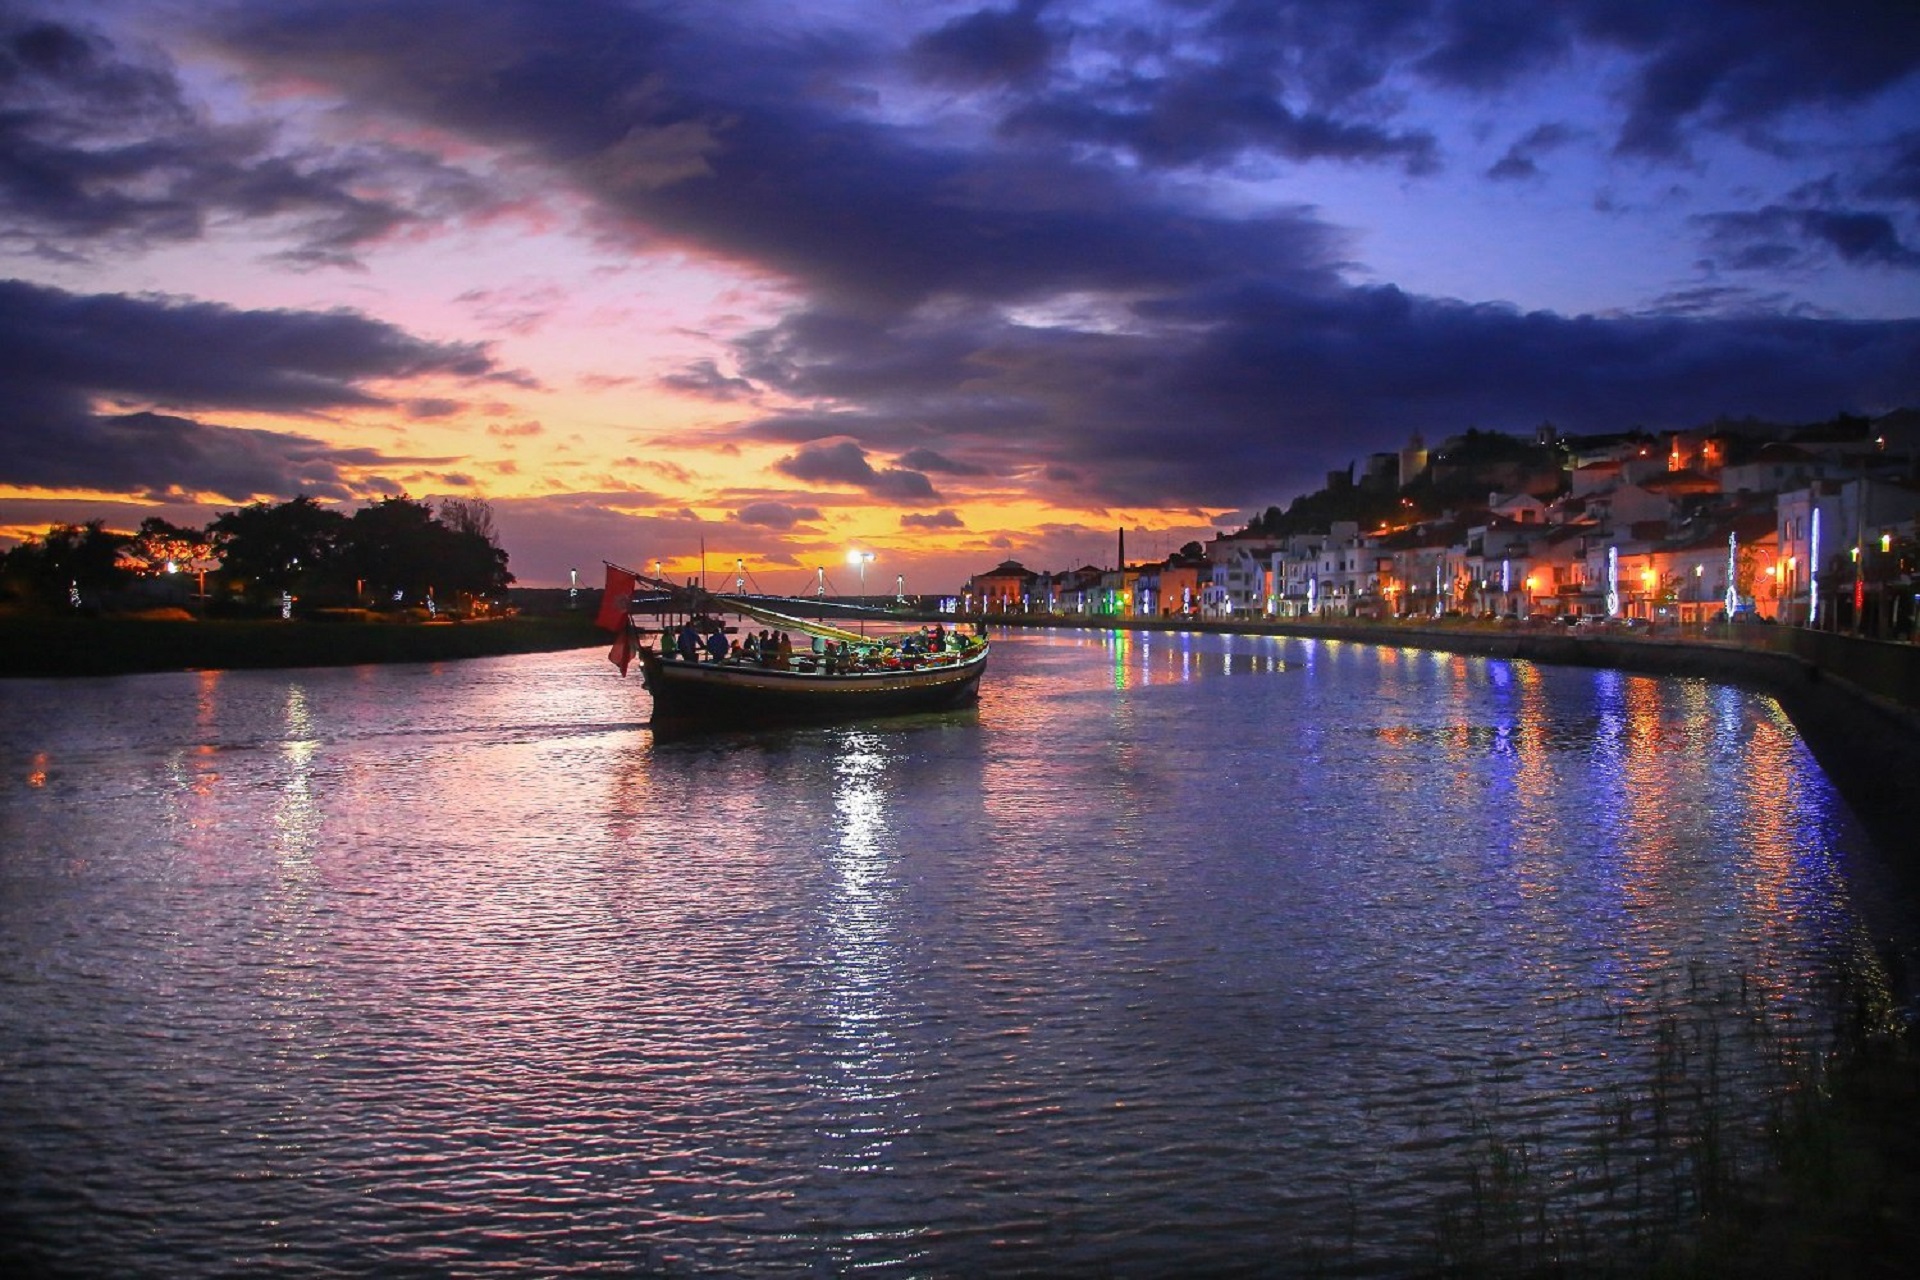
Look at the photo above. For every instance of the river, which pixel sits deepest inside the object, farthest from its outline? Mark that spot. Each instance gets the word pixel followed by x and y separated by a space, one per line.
pixel 1181 954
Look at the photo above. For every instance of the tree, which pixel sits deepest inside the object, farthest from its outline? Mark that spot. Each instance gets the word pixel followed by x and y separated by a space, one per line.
pixel 70 564
pixel 390 549
pixel 163 547
pixel 472 516
pixel 292 547
pixel 479 563
pixel 399 550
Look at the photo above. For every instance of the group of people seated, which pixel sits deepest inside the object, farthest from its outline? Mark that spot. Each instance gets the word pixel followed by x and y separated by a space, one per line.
pixel 705 639
pixel 767 648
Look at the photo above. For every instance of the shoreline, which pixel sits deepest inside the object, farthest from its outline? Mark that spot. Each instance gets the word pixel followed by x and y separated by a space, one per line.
pixel 42 646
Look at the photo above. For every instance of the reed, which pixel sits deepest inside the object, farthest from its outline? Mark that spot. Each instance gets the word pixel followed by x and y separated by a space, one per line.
pixel 1755 1143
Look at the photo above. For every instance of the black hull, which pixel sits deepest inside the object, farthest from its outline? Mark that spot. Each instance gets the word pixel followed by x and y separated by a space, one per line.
pixel 697 696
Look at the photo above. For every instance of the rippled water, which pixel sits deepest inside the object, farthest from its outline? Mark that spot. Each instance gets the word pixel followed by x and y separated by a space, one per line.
pixel 1180 955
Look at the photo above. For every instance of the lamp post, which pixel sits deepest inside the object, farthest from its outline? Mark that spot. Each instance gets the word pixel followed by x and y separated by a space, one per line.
pixel 861 559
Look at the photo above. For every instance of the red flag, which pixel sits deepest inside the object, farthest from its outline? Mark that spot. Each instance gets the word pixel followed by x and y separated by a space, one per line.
pixel 622 652
pixel 613 601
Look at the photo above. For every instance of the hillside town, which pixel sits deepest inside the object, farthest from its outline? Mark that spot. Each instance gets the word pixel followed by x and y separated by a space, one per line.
pixel 1811 526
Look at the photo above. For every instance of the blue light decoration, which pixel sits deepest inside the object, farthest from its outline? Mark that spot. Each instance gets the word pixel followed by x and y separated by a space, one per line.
pixel 1613 582
pixel 1733 559
pixel 1813 570
pixel 1313 594
pixel 1506 577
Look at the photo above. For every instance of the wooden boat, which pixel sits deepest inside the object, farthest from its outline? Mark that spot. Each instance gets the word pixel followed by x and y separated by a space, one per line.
pixel 846 676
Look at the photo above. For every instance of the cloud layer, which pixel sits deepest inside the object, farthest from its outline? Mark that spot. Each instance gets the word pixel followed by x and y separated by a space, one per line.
pixel 1046 251
pixel 65 357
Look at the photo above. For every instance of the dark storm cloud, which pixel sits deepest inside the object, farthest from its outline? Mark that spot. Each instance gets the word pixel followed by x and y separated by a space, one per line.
pixel 1233 399
pixel 730 139
pixel 736 148
pixel 845 463
pixel 1779 237
pixel 704 378
pixel 991 46
pixel 929 460
pixel 933 520
pixel 777 516
pixel 1736 65
pixel 1246 80
pixel 1309 80
pixel 1897 175
pixel 100 149
pixel 159 454
pixel 1229 357
pixel 1522 159
pixel 1205 121
pixel 61 354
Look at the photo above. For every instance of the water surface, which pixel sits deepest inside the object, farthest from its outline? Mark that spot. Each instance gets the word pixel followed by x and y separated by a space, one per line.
pixel 1180 954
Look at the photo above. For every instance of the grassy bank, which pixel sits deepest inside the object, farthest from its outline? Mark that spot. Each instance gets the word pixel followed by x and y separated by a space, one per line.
pixel 57 645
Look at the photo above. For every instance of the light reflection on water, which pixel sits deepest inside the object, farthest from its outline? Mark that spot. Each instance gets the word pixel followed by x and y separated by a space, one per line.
pixel 1181 952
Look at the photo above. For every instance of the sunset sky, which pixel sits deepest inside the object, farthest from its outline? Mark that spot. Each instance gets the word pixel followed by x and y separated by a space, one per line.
pixel 950 283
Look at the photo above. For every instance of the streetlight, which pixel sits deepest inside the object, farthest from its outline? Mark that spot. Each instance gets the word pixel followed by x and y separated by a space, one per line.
pixel 862 559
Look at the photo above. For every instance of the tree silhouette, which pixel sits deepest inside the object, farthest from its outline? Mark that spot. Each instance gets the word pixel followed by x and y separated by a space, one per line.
pixel 293 547
pixel 72 564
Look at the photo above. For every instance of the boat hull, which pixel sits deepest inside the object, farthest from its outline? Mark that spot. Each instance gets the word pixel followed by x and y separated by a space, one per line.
pixel 708 695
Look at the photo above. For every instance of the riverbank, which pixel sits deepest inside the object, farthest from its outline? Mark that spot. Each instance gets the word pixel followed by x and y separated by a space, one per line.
pixel 62 646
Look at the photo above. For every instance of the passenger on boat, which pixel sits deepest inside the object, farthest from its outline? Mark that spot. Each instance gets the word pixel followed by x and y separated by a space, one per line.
pixel 717 643
pixel 689 641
